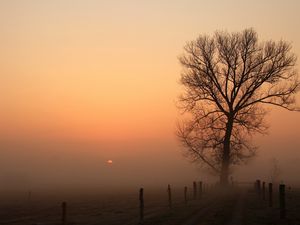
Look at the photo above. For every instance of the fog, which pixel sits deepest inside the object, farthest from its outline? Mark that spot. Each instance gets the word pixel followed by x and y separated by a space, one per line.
pixel 83 83
pixel 76 165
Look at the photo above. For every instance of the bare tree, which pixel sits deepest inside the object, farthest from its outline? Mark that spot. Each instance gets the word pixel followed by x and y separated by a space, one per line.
pixel 227 78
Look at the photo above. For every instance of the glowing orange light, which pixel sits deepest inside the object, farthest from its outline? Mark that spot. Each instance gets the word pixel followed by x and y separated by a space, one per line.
pixel 109 161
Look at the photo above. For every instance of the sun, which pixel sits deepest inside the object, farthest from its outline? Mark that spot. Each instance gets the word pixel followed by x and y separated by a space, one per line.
pixel 109 161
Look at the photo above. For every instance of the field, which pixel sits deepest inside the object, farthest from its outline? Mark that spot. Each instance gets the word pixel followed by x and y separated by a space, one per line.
pixel 238 205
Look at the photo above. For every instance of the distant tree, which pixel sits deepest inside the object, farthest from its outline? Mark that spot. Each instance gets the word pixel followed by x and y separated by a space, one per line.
pixel 275 170
pixel 227 78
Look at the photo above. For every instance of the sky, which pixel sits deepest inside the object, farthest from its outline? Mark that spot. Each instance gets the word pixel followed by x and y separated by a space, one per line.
pixel 86 81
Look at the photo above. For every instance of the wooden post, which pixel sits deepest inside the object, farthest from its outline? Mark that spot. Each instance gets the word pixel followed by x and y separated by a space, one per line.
pixel 258 187
pixel 29 196
pixel 200 189
pixel 195 190
pixel 141 198
pixel 169 196
pixel 270 195
pixel 185 194
pixel 282 201
pixel 64 213
pixel 264 190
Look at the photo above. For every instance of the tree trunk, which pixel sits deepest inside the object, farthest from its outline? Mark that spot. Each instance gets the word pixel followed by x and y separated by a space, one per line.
pixel 226 153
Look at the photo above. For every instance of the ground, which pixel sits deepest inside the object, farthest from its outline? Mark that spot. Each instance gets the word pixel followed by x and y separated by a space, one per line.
pixel 235 206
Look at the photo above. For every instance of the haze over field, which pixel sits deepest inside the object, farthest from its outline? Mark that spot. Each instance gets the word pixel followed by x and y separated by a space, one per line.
pixel 84 82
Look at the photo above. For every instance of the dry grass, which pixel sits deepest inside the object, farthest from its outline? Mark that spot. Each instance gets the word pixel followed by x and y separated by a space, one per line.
pixel 214 208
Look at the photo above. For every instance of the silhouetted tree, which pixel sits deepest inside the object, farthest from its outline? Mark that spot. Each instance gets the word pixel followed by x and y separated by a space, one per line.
pixel 227 78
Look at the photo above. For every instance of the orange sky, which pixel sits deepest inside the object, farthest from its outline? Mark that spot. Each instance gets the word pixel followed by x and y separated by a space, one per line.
pixel 107 71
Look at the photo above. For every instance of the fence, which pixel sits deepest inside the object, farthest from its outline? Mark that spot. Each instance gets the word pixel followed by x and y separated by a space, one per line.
pixel 197 190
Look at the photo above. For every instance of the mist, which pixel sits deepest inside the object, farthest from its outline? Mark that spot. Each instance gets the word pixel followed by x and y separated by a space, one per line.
pixel 41 164
pixel 85 83
pixel 76 165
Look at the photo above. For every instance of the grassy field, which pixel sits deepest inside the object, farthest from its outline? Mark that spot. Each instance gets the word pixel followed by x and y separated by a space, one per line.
pixel 235 206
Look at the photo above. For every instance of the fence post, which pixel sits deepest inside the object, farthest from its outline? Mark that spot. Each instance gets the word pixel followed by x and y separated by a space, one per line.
pixel 169 196
pixel 264 190
pixel 185 194
pixel 195 190
pixel 29 196
pixel 141 204
pixel 270 194
pixel 200 189
pixel 64 213
pixel 282 201
pixel 231 179
pixel 258 187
